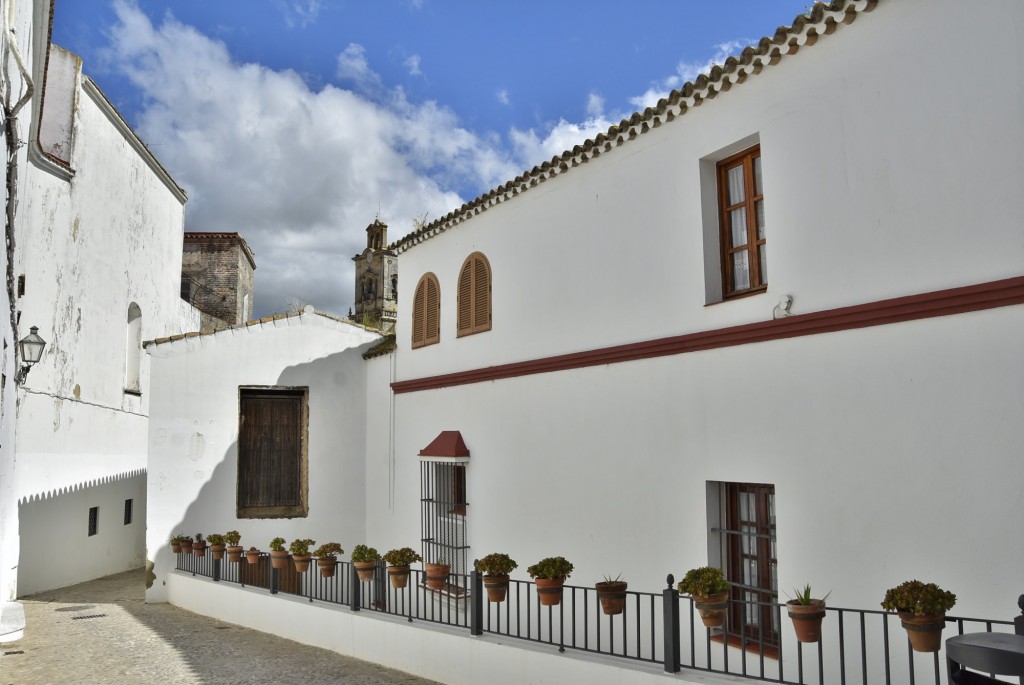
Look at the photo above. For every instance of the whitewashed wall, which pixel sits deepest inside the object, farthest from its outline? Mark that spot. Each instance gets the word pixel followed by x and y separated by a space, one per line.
pixel 894 451
pixel 193 432
pixel 91 240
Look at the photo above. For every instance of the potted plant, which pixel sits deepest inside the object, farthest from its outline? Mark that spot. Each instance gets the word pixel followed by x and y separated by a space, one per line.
pixel 176 544
pixel 300 553
pixel 252 555
pixel 327 558
pixel 199 545
pixel 806 614
pixel 232 538
pixel 216 541
pixel 437 573
pixel 186 544
pixel 549 575
pixel 365 560
pixel 398 561
pixel 496 566
pixel 278 554
pixel 612 594
pixel 922 609
pixel 710 592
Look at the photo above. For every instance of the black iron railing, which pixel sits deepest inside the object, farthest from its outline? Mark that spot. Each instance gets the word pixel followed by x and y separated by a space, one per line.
pixel 864 647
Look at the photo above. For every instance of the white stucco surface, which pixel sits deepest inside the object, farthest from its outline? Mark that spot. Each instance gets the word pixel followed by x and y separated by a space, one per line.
pixel 193 432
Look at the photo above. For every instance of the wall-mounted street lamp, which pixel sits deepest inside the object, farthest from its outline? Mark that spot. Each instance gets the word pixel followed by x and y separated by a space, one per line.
pixel 31 349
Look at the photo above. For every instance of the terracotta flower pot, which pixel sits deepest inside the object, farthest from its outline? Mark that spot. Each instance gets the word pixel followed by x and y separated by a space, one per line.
pixel 807 619
pixel 549 591
pixel 252 556
pixel 712 608
pixel 235 553
pixel 924 630
pixel 199 549
pixel 176 548
pixel 497 587
pixel 278 559
pixel 218 551
pixel 186 547
pixel 612 595
pixel 302 562
pixel 327 566
pixel 365 569
pixel 399 576
pixel 437 575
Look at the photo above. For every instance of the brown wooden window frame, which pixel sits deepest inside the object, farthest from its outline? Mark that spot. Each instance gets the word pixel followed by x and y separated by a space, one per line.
pixel 426 312
pixel 732 534
pixel 474 296
pixel 754 244
pixel 298 507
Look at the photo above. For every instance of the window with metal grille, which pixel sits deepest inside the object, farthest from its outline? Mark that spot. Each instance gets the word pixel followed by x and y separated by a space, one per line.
pixel 746 537
pixel 127 512
pixel 443 515
pixel 474 295
pixel 741 217
pixel 94 520
pixel 272 461
pixel 426 312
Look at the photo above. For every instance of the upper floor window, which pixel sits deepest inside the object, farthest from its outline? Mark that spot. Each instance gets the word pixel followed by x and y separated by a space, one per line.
pixel 741 217
pixel 426 312
pixel 133 349
pixel 474 295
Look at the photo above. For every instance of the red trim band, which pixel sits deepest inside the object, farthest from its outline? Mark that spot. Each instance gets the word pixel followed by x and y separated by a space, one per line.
pixel 970 298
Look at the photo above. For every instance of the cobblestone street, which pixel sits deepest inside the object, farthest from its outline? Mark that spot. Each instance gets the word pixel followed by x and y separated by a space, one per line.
pixel 102 632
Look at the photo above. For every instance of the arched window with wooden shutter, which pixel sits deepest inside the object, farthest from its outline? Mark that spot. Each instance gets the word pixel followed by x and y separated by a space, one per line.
pixel 426 312
pixel 474 295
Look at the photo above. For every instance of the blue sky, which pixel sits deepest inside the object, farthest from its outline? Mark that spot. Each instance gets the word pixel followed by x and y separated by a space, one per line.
pixel 292 121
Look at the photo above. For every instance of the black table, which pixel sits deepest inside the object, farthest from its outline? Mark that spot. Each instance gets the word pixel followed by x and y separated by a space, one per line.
pixel 998 653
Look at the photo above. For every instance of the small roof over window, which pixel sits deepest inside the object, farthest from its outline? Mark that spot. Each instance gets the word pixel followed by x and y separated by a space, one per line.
pixel 447 446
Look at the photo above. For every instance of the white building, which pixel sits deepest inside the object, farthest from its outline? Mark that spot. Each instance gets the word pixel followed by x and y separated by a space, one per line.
pixel 783 307
pixel 96 266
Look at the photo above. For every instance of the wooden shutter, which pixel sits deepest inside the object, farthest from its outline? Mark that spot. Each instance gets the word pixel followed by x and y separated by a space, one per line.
pixel 426 312
pixel 270 469
pixel 419 303
pixel 474 295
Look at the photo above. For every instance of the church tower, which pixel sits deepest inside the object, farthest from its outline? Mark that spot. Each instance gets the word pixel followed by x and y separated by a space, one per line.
pixel 376 291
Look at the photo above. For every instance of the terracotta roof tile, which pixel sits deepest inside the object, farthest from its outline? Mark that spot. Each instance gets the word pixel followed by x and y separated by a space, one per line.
pixel 821 19
pixel 259 323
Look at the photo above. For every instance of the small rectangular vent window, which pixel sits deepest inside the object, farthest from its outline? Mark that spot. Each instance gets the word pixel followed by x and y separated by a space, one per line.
pixel 94 520
pixel 127 512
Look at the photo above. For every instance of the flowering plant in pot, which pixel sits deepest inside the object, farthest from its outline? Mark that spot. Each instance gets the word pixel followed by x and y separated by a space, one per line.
pixel 496 567
pixel 252 555
pixel 327 558
pixel 710 592
pixel 278 554
pixel 300 553
pixel 365 560
pixel 612 594
pixel 176 543
pixel 186 543
pixel 806 614
pixel 549 575
pixel 437 572
pixel 398 561
pixel 232 538
pixel 216 541
pixel 922 609
pixel 199 545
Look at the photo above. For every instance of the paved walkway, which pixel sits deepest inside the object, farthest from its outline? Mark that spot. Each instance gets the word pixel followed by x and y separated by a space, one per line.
pixel 102 633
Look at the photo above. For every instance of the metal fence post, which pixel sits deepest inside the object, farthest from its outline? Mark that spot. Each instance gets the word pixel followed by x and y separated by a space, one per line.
pixel 274 580
pixel 216 570
pixel 354 596
pixel 670 597
pixel 476 614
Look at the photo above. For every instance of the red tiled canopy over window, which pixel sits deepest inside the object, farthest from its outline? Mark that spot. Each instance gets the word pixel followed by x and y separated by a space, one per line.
pixel 448 445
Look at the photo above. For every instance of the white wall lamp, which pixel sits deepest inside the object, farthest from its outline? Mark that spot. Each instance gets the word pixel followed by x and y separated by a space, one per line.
pixel 781 310
pixel 31 349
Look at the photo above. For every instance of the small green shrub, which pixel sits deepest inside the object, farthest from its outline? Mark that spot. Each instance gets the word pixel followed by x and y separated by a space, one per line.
pixel 215 539
pixel 233 537
pixel 300 546
pixel 277 544
pixel 330 549
pixel 918 598
pixel 497 564
pixel 364 553
pixel 703 582
pixel 402 557
pixel 551 568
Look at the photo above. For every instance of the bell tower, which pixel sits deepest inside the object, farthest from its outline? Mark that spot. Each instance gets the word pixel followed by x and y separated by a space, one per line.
pixel 376 274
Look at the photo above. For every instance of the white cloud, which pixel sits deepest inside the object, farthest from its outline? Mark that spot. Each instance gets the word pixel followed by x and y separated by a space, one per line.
pixel 298 172
pixel 300 13
pixel 413 63
pixel 353 67
pixel 595 105
pixel 531 149
pixel 502 96
pixel 686 71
